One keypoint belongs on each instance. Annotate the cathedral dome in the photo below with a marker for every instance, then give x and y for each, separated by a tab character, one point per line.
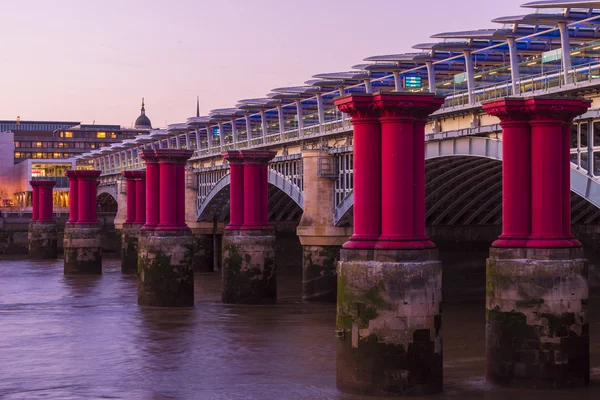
143	122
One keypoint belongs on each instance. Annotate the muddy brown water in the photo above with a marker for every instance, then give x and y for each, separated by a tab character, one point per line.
86	338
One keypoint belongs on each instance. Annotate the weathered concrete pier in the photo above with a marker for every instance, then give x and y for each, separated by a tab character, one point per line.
165	246
42	233
537	277
82	240
136	218
249	270
389	276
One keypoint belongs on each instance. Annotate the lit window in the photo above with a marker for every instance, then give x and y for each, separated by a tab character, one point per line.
113	135
68	134
38	144
101	135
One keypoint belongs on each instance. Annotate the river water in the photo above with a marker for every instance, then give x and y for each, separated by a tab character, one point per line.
86	338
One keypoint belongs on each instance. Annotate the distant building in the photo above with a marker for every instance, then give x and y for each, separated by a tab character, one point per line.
32	150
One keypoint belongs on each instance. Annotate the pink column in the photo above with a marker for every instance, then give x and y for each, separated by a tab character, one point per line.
152	188
86	196
140	198
550	182
256	195
236	189
35	196
367	169
167	216
170	188
45	201
516	171
73	197
264	192
131	197
403	168
180	178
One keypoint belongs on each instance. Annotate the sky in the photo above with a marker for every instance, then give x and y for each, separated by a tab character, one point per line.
80	60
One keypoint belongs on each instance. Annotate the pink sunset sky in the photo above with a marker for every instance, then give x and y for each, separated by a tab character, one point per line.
94	61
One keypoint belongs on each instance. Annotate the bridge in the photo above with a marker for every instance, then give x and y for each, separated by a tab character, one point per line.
511	121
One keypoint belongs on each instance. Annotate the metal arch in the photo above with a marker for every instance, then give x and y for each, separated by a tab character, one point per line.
111	190
280	181
449	177
467	193
581	184
220	185
274	178
493	199
455	185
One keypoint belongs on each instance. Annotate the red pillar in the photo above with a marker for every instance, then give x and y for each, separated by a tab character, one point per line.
264	192
167	216
550	182
236	189
255	190
140	198
73	196
45	201
180	177
131	196
516	171
35	195
152	188
367	169
86	196
403	168
165	188
536	172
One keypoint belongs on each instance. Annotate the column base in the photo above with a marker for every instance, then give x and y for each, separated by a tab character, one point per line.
319	272
165	273
130	234
389	337
203	258
83	249
537	332
248	268
43	241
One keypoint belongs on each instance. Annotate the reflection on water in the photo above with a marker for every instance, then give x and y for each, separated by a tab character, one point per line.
85	338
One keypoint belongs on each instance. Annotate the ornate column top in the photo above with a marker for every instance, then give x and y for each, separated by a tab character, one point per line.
85	174
555	109
257	156
358	105
134	174
47	183
508	109
233	156
166	155
406	104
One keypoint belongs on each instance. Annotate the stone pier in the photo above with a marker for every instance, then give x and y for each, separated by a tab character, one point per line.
42	233
321	240
248	268
135	219
82	243
165	247
537	333
389	335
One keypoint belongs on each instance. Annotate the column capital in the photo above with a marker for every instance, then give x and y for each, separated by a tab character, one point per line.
416	106
83	174
45	183
134	175
358	105
173	155
508	110
555	110
257	157
233	156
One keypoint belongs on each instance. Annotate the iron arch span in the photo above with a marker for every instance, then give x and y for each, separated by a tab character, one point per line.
464	185
286	201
